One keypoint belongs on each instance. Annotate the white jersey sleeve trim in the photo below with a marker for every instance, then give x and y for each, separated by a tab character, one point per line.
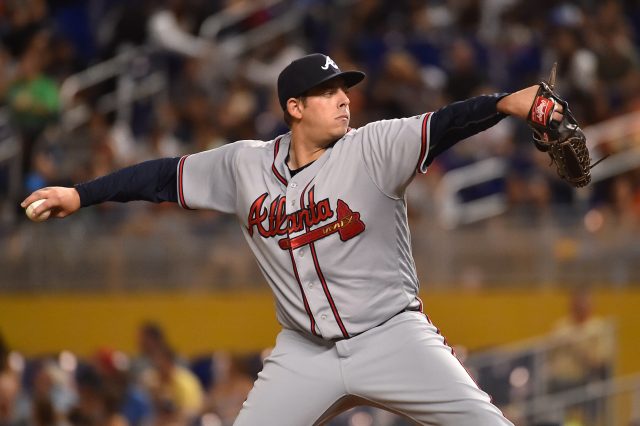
424	149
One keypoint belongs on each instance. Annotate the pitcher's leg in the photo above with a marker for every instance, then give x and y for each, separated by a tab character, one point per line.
300	380
406	367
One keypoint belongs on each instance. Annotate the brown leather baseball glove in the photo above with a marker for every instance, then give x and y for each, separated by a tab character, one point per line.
563	140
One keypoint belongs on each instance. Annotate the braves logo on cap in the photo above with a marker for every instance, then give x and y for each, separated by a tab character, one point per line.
328	62
308	72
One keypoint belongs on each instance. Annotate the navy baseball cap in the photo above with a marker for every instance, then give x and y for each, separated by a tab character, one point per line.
308	72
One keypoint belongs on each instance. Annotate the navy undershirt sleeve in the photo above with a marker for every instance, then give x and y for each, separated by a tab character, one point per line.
459	120
154	180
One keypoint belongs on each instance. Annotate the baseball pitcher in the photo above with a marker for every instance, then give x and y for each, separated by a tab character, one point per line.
323	209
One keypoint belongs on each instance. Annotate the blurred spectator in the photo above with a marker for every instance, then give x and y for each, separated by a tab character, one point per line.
615	49
132	402
72	23
400	90
33	100
25	19
464	73
176	392
63	60
122	25
151	339
162	141
266	63
52	393
236	116
585	350
230	389
171	27
98	403
577	68
583	353
6	70
11	411
620	207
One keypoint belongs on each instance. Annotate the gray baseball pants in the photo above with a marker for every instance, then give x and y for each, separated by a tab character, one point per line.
402	366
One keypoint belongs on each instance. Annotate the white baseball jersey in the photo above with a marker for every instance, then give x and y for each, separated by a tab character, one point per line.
332	241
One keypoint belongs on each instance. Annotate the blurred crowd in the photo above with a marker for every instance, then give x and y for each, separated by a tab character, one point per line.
109	388
418	54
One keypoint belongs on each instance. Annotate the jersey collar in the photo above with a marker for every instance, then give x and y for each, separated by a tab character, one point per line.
279	167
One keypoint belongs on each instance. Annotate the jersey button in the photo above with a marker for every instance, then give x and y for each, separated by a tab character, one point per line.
293	184
301	252
310	286
323	316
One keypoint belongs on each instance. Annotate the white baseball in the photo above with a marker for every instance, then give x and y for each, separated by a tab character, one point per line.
42	216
